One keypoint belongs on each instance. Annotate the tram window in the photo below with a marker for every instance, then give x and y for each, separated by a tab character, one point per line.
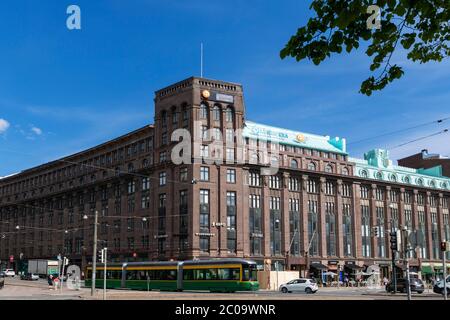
131	275
188	274
228	274
211	274
249	273
89	274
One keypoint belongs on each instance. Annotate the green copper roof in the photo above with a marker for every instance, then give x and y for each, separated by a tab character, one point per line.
377	165
257	131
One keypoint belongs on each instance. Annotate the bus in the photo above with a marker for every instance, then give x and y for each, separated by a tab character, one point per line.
216	275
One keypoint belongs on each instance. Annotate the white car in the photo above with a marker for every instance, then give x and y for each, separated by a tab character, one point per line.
439	286
10	273
300	285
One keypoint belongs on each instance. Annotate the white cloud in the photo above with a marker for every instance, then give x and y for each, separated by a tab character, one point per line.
4	125
36	130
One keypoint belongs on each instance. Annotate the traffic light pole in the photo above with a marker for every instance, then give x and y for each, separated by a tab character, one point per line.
445	274
406	261
94	254
105	255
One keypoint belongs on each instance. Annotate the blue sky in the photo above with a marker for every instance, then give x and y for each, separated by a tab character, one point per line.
62	91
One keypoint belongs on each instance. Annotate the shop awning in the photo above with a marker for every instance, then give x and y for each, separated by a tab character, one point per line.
426	269
318	266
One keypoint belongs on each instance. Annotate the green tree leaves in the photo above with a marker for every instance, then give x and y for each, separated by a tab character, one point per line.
421	27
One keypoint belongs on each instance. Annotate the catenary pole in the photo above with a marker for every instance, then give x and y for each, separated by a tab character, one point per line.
94	254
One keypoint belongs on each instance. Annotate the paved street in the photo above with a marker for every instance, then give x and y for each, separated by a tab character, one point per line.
16	289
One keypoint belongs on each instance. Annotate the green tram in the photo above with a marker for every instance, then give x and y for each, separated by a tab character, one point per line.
217	275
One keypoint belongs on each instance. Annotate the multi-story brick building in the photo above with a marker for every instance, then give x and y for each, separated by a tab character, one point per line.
317	211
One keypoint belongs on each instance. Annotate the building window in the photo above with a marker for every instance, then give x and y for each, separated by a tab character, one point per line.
229	114
365	231
347	230
255	224
204	173
162	178
312	186
231	176
204	151
294	184
254	179
379	194
274	182
204	219
231	222
294	227
364	191
229	135
275	226
131	187
346	190
330	228
145	183
345	171
230	154
380	226
422	229
328	168
183	174
294	164
203	111
313	232
162	156
329	188
216	113
145	201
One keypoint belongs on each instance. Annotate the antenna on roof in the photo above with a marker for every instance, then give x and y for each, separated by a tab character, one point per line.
201	60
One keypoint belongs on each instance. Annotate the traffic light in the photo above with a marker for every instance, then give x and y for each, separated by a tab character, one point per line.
393	241
445	246
101	255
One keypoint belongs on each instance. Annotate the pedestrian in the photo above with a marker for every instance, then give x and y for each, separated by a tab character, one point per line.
50	281
56	282
346	281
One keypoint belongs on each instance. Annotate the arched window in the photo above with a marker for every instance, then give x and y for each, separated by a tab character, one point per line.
312	166
294	164
254	158
407	180
444	185
432	184
364	174
345	171
420	182
379	175
393	178
328	168
229	114
216	113
203	111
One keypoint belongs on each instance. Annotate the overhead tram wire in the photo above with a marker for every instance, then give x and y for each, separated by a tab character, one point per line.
439	121
104	168
420	138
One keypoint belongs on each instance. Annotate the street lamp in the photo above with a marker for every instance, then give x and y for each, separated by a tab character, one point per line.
94	251
145	243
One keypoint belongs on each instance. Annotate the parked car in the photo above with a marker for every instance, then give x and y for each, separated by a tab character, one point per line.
415	284
29	276
300	285
2	280
439	286
2	274
10	273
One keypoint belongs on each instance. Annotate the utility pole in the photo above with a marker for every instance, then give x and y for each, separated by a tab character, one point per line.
94	254
406	260
445	246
